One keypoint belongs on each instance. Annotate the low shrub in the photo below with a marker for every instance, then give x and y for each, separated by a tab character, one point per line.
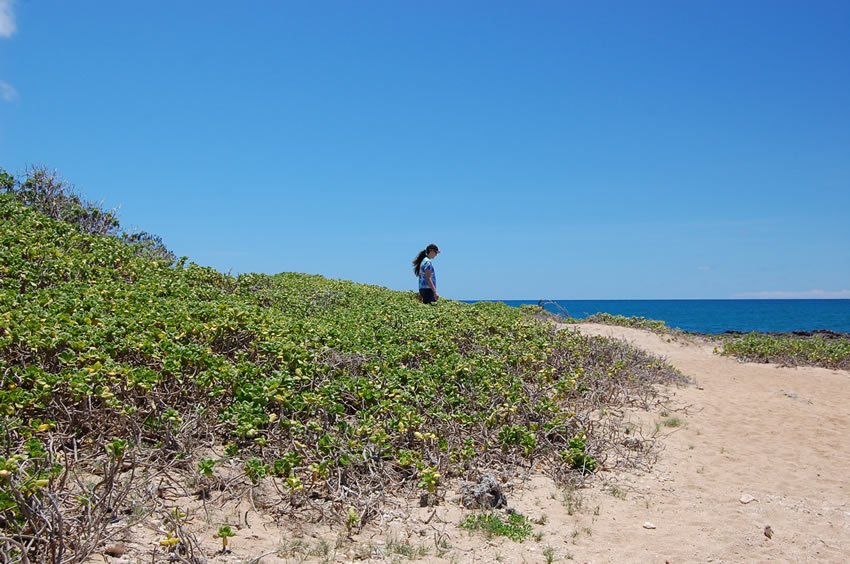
623	321
827	351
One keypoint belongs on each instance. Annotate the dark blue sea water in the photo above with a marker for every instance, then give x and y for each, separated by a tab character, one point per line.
717	316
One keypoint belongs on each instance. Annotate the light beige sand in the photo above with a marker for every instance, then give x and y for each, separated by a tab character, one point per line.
757	446
779	435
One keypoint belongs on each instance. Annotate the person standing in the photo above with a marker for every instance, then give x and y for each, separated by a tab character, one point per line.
423	267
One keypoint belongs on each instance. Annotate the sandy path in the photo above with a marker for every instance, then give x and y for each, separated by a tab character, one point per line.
779	435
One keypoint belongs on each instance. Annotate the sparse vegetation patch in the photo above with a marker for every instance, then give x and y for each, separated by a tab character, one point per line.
623	321
824	349
515	526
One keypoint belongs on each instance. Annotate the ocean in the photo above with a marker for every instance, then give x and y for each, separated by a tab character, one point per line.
717	316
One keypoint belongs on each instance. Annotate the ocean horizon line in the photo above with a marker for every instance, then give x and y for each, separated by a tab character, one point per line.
535	300
711	315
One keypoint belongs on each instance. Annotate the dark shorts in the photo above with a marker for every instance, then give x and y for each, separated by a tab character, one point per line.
427	295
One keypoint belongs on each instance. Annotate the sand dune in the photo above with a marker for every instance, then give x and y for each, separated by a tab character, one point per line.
754	466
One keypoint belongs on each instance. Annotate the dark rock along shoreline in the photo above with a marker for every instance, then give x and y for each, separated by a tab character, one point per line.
829	334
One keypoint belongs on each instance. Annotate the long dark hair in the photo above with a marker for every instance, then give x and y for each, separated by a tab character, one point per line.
417	262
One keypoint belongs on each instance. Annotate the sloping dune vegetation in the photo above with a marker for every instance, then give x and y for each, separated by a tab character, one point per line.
824	349
120	364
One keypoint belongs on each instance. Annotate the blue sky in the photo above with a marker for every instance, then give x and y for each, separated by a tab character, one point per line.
552	149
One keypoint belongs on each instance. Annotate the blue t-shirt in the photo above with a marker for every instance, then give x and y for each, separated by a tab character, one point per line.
426	266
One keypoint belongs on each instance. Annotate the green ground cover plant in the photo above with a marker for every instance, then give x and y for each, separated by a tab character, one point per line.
826	350
515	526
623	321
118	365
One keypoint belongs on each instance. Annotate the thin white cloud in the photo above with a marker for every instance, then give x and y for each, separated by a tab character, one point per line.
806	294
704	268
8	92
7	18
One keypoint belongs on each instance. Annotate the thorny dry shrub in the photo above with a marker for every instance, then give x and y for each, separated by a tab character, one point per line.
46	191
118	372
